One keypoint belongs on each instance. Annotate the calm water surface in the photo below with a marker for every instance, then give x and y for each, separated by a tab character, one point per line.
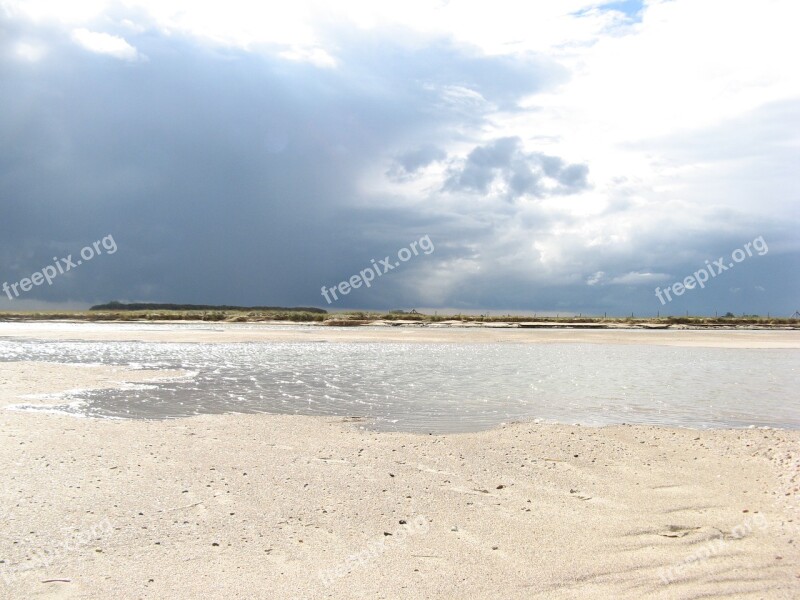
438	387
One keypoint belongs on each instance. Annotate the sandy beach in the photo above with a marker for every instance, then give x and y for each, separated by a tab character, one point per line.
268	506
399	301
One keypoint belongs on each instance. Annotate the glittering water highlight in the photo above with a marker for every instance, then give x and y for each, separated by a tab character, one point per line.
439	387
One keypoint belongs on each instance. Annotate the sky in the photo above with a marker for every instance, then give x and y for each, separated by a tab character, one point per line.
567	157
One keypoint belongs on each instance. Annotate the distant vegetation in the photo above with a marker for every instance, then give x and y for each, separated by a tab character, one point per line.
117	312
116	306
232	316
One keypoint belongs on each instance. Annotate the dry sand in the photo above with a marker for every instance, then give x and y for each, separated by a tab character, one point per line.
262	506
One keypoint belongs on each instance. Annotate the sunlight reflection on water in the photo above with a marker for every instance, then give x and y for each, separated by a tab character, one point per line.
442	387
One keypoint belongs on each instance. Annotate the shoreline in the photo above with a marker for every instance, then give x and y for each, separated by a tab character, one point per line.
313	507
206	332
694	324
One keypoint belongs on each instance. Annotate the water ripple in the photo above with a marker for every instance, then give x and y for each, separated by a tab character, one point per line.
444	386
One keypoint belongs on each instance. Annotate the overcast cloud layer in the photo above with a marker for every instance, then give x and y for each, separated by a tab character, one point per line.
562	156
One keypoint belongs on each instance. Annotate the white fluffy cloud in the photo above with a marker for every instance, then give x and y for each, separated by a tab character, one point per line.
104	43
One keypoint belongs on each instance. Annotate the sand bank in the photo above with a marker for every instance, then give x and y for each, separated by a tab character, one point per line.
262	506
253	332
29	381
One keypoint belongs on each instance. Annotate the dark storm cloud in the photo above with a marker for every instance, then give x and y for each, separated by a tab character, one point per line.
224	176
523	173
234	177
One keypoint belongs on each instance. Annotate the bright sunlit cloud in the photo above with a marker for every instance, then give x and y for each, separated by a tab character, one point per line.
104	43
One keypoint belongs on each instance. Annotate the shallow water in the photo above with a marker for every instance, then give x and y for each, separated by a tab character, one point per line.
437	387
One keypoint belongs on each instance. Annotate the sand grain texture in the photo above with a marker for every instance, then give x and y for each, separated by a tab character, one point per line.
262	506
